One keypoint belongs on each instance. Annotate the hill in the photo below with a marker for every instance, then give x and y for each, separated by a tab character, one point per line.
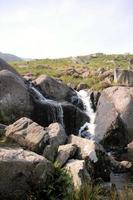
92	71
9	57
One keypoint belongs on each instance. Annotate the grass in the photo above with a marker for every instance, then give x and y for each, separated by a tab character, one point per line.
57	67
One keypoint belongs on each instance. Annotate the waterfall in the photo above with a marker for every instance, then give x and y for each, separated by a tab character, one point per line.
55	112
88	129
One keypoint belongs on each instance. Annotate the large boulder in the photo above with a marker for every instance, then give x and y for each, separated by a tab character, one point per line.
5	66
78	172
115	101
56	137
54	89
28	134
15	100
22	171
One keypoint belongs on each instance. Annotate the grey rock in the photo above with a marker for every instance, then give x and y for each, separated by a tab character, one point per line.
78	172
28	134
56	137
15	101
21	171
66	152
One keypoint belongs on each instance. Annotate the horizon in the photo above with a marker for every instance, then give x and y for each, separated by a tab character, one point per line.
65	28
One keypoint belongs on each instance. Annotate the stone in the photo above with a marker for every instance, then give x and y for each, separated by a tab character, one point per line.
28	134
82	86
54	89
5	66
22	171
78	172
115	101
65	152
86	148
73	118
56	137
109	121
123	77
15	101
2	129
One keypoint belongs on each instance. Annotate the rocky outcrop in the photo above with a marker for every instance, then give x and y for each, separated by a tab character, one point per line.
5	66
65	152
54	89
2	129
15	100
115	101
56	137
28	134
22	171
78	172
123	77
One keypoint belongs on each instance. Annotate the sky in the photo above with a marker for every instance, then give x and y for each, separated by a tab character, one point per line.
62	28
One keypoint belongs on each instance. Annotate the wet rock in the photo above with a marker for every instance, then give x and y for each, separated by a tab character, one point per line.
56	137
15	100
78	172
74	118
65	152
22	171
28	134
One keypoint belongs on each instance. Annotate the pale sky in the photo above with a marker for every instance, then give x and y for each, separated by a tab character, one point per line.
61	28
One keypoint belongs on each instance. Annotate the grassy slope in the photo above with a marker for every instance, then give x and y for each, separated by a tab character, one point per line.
56	67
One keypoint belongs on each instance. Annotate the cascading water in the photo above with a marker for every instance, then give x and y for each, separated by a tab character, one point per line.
55	108
88	128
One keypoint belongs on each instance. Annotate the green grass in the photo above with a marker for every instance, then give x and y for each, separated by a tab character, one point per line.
57	67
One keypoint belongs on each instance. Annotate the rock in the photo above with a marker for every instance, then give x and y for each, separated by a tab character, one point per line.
74	118
65	152
86	147
123	77
97	161
5	66
130	152
22	171
86	74
54	89
82	86
56	137
105	74
2	129
15	100
108	120
94	97
131	61
116	101
105	83
78	172
28	134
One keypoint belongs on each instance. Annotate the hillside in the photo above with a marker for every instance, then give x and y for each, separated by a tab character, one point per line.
92	71
9	57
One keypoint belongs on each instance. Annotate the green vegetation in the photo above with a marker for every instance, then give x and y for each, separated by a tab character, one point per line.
60	187
58	68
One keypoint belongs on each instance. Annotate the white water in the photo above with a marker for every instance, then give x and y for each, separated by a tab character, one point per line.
88	129
85	97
